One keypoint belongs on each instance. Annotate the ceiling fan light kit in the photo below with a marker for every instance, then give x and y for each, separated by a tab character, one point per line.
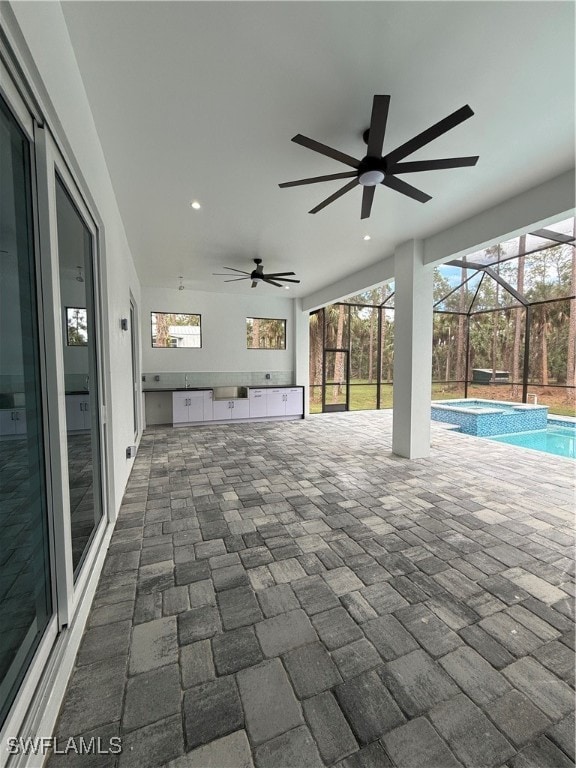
376	168
257	276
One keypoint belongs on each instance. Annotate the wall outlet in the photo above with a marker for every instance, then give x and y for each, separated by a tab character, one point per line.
156	378
267	376
143	377
130	451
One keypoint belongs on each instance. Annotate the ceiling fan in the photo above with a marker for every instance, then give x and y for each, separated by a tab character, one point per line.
376	168
257	276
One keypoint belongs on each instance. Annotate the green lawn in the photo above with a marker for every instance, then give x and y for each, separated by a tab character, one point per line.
363	397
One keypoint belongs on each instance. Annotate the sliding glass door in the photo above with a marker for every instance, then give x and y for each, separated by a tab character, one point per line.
77	300
26	604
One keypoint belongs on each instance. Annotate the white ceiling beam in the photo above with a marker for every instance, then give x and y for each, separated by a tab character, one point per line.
551	201
361	280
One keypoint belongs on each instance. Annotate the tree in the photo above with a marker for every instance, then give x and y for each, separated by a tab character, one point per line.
571	351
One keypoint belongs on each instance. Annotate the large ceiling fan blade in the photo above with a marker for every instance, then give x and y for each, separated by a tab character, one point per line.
316	179
254	283
428	135
272	282
377	126
434	165
335	196
235	279
280	274
405	189
367	198
284	279
316	146
233	269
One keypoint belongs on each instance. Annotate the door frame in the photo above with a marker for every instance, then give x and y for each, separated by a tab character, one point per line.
336	407
50	165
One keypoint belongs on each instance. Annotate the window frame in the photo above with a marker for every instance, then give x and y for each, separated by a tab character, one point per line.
269	349
192	314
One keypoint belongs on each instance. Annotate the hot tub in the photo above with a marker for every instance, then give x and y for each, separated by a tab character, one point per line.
490	417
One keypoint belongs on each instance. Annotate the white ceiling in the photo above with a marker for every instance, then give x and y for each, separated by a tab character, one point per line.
199	100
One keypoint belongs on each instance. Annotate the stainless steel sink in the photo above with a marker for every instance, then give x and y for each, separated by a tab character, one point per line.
230	393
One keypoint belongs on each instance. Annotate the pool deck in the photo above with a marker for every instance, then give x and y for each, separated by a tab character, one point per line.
295	596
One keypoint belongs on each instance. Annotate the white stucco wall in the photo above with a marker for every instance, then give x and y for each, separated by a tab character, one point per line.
223	331
40	35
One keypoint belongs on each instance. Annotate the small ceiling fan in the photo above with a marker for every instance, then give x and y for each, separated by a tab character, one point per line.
257	276
376	168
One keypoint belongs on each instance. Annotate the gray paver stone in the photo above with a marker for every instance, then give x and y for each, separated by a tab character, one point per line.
474	675
543	688
469	733
277	599
432	633
232	751
152	745
389	637
311	670
332	733
238	607
284	632
368	706
417	744
269	702
417	682
541	754
198	624
336	628
235	650
295	748
196	663
212	710
356	658
517	718
151	696
154	644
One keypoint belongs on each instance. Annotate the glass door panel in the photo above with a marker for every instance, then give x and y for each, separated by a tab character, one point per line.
25	579
76	270
336	380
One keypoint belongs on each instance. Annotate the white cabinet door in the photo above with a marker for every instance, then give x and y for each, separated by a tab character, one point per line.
240	409
222	410
20	421
195	406
7	423
294	399
208	407
275	405
180	407
75	405
257	401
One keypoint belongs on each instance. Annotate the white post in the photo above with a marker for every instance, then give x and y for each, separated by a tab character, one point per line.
413	300
301	351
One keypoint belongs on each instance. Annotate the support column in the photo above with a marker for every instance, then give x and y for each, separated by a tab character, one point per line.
413	301
302	351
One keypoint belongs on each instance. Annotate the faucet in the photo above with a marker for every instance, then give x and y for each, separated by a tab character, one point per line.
186	382
87	383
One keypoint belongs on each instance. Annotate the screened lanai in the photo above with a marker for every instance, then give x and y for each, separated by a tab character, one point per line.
504	329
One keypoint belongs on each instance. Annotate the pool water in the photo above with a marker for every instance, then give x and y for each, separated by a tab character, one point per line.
559	438
478	405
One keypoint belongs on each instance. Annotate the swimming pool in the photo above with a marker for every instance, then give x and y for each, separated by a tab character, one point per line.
559	438
485	418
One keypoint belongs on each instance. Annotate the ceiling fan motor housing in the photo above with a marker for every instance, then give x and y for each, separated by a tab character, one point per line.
371	171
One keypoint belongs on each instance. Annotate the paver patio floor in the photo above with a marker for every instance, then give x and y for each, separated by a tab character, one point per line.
292	595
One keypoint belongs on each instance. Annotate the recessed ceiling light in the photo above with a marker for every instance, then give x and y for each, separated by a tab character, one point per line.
367	237
196	205
287	287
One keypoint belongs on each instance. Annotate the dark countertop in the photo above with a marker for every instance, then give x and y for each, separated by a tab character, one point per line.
178	389
209	389
77	392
